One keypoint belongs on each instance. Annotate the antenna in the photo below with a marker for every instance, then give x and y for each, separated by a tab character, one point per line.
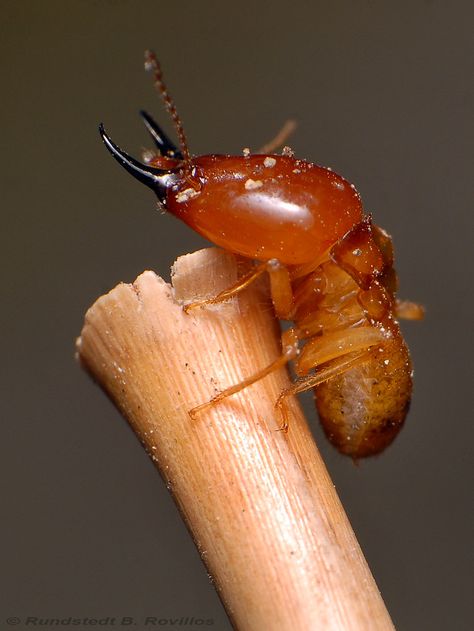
152	63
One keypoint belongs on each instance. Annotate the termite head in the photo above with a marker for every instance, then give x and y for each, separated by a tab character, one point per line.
272	206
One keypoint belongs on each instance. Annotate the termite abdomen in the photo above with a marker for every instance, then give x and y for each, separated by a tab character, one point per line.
363	409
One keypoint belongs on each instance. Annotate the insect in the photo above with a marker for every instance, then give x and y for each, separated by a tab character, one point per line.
330	268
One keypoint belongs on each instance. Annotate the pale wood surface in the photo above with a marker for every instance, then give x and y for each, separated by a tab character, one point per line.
259	503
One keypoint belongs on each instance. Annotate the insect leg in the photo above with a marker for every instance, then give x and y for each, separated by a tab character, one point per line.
280	139
280	289
289	343
407	310
280	286
322	349
335	368
230	292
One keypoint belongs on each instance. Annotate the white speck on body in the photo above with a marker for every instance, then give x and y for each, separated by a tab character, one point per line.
386	362
269	162
148	156
296	170
250	184
288	152
186	195
246	152
338	185
357	252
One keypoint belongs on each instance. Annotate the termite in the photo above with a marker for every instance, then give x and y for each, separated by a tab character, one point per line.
330	268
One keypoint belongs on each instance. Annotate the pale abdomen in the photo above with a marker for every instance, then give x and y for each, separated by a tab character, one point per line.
363	409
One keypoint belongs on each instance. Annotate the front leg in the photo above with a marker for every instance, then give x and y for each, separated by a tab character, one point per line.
280	288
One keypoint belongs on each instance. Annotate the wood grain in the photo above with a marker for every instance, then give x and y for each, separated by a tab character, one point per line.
259	503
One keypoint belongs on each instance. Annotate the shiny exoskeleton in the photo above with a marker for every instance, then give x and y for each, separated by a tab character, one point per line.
331	273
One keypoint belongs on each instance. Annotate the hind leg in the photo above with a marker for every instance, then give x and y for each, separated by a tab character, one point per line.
335	368
331	355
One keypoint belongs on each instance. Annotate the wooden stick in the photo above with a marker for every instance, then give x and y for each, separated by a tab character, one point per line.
259	503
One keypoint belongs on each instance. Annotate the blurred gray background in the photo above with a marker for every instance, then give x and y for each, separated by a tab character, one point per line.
383	94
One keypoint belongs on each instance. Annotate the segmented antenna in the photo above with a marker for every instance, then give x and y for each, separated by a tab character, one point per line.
152	63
